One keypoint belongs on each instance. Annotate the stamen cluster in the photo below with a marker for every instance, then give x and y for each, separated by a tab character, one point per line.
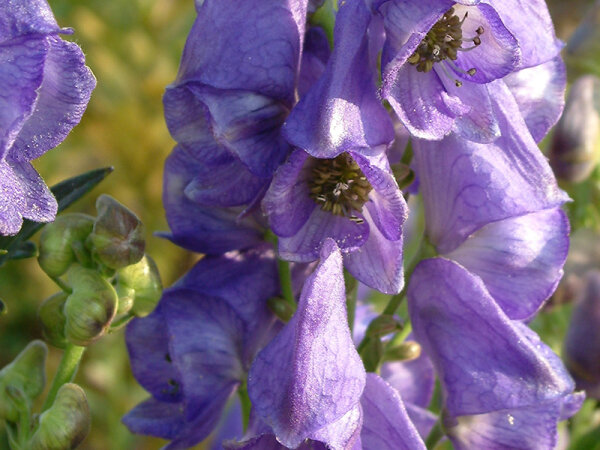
338	185
443	42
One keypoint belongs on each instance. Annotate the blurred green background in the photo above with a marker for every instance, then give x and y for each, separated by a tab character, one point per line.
133	48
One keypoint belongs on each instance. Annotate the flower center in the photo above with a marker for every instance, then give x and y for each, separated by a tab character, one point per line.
339	186
442	43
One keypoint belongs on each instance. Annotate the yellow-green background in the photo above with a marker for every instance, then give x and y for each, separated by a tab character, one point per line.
133	48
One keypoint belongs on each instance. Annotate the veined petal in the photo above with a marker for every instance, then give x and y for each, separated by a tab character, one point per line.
24	195
486	362
156	418
25	18
21	74
530	22
341	111
310	375
254	46
61	100
540	94
519	259
386	424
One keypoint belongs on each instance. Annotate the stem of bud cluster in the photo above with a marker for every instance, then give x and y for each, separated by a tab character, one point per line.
435	435
285	276
67	369
351	291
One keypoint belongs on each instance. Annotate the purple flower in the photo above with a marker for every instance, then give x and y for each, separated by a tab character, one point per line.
308	386
191	370
44	90
440	59
352	199
239	89
502	386
342	112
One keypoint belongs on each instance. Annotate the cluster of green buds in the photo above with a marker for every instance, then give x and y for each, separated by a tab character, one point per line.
63	425
105	276
106	279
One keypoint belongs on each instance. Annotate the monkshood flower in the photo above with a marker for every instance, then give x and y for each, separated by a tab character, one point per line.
194	350
502	387
494	208
239	89
440	58
44	90
352	199
308	385
582	344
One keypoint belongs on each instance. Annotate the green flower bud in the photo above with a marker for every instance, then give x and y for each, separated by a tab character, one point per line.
57	240
25	375
575	148
407	351
53	319
382	325
143	278
281	308
126	298
90	308
66	424
118	236
371	353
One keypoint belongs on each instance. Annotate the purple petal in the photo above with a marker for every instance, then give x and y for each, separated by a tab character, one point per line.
305	244
539	92
248	125
386	423
23	195
156	418
310	375
497	55
287	202
530	22
21	74
25	18
378	262
519	259
423	419
341	111
200	228
467	185
150	357
254	46
315	55
62	99
527	428
485	361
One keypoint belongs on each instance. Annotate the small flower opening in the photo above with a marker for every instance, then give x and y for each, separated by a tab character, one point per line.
339	186
442	43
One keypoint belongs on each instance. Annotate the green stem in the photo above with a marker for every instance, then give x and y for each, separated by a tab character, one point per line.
67	369
400	337
246	405
351	291
61	284
435	435
285	276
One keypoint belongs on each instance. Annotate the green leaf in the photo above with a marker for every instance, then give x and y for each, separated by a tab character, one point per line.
66	192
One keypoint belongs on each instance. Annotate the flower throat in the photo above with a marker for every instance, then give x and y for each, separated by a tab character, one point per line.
339	186
442	43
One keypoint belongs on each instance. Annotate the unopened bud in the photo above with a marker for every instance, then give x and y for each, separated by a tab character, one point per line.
575	148
90	308
66	424
118	236
281	308
57	240
382	325
372	353
26	375
53	319
144	280
406	351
